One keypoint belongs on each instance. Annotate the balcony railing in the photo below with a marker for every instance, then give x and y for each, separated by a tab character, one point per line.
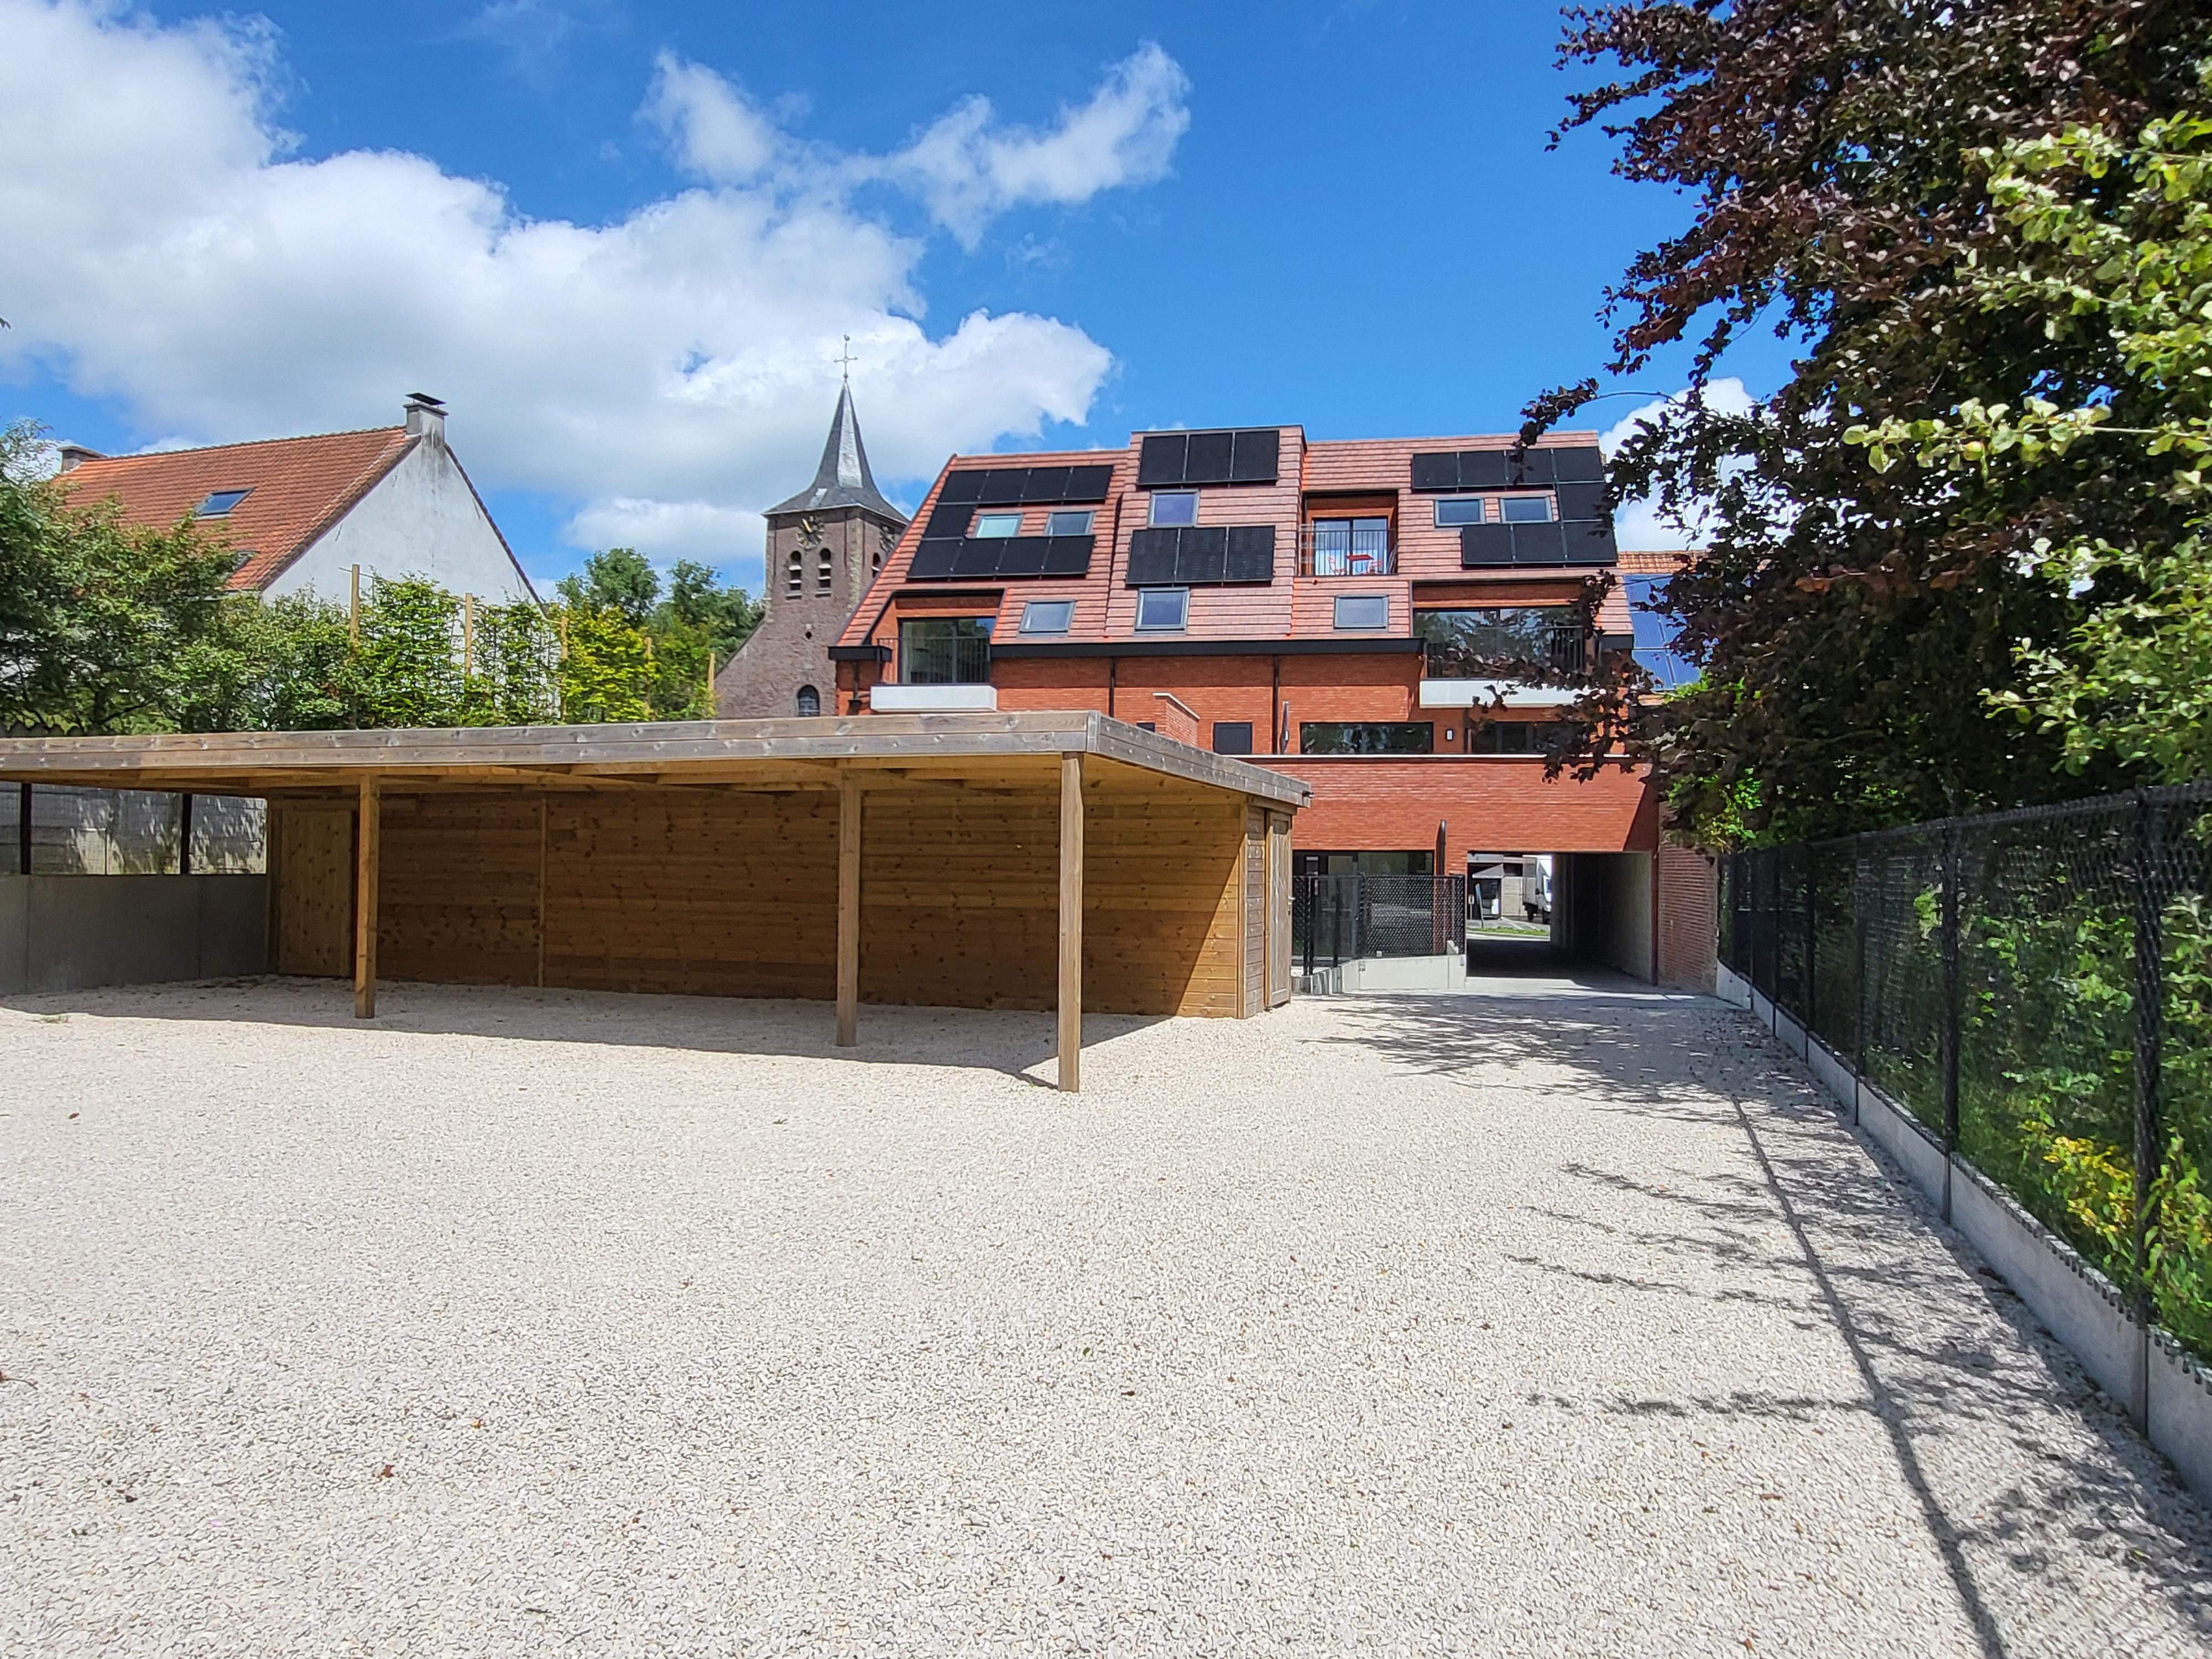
1340	549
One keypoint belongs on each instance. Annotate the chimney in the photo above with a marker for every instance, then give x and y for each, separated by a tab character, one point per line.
426	416
73	456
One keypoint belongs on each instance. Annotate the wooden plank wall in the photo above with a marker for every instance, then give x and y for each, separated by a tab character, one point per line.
1279	909
1254	986
714	892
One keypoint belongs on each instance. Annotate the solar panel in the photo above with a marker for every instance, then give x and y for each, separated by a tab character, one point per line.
1160	460
1002	486
1591	541
1583	464
1210	455
1483	544
933	560
1088	484
1539	543
1437	471
1530	466
963	486
1482	469
1581	501
1251	554
1045	484
948	520
1021	556
1067	555
1205	556
1257	454
980	557
1152	557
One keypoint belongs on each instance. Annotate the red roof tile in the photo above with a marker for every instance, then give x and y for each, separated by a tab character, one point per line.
297	489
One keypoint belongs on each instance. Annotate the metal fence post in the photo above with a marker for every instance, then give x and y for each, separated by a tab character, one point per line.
1951	1016
185	834
1812	995
1858	985
23	831
2149	1079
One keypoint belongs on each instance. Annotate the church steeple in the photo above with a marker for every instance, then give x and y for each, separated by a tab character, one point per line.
843	479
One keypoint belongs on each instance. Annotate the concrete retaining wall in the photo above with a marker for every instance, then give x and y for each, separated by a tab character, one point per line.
2168	1394
73	933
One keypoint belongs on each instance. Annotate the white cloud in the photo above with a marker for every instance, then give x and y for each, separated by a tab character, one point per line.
665	532
162	250
1643	526
967	171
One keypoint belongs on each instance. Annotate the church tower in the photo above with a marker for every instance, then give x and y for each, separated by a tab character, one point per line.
825	546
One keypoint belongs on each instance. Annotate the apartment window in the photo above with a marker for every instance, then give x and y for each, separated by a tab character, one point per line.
1232	737
825	573
1068	524
944	651
1363	610
1145	726
994	525
1451	515
1526	509
1459	645
1175	507
809	701
1367	737
1048	615
1163	607
219	503
1348	547
1509	738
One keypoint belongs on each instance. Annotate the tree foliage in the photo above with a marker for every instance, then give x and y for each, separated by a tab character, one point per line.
695	622
1857	629
2110	239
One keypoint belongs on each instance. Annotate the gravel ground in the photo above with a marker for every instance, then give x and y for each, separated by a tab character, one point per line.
537	1322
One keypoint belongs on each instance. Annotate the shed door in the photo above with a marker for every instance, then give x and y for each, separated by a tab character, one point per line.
1279	909
1255	997
314	890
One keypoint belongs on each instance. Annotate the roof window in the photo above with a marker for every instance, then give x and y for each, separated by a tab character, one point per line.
219	503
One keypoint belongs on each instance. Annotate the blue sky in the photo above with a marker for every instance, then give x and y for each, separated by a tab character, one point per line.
624	240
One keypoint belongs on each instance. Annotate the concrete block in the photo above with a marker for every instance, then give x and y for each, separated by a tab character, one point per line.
1731	987
2077	1304
75	932
15	935
1834	1076
1903	1138
1790	1034
2181	1415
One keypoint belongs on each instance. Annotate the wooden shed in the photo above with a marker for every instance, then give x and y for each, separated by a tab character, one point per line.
1030	861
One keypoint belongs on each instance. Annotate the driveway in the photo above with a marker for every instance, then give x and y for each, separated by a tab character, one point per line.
539	1322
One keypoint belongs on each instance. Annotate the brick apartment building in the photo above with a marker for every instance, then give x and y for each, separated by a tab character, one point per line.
1318	605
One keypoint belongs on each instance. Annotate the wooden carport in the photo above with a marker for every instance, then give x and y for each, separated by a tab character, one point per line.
1030	861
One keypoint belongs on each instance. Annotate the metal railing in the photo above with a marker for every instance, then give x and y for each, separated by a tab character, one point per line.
2035	988
1339	919
1336	548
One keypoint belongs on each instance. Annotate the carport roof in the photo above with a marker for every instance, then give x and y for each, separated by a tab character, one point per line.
1010	748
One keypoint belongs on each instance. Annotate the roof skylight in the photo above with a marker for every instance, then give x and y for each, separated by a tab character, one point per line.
219	503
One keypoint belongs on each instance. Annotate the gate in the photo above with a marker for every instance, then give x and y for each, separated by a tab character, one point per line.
1338	919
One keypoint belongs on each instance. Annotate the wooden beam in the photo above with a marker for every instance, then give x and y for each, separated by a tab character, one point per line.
1071	921
849	798
364	903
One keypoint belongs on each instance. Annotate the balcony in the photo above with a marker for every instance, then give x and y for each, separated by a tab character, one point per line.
1346	547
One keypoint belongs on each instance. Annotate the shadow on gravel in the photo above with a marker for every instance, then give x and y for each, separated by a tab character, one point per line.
1011	1042
1948	1357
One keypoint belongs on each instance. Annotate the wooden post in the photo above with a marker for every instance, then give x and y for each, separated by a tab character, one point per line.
185	834
544	835
1071	921
713	712
364	906
848	910
353	612
468	634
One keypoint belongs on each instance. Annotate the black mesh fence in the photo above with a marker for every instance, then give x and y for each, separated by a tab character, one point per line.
2035	988
1338	919
128	832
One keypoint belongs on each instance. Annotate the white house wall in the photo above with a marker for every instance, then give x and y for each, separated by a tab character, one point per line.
419	520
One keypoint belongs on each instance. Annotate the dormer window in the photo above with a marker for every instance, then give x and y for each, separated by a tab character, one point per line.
219	503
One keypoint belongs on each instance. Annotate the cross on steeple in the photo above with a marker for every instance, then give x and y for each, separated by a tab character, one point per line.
847	360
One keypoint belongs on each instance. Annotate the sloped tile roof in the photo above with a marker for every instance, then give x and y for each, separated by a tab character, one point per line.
297	489
843	479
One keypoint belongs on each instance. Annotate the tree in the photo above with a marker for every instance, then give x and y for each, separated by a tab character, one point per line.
104	626
1858	629
617	579
2109	238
